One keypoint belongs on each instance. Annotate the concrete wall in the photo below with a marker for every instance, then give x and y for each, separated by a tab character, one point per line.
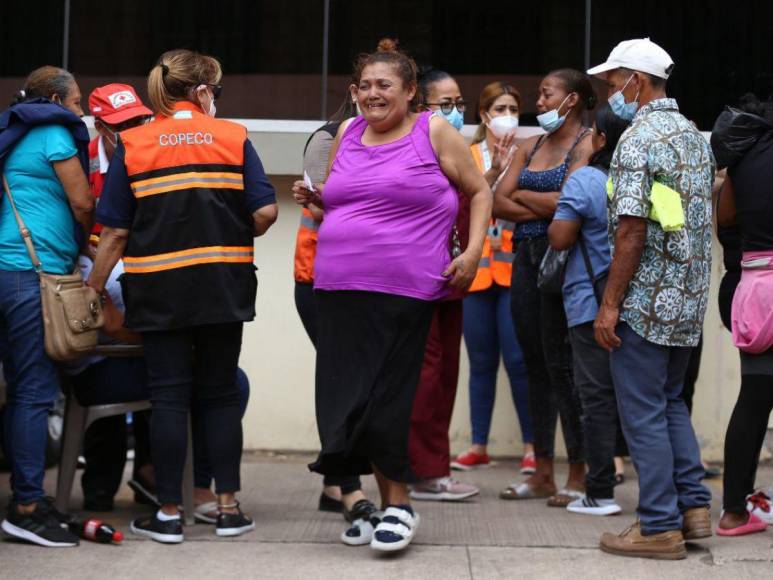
279	358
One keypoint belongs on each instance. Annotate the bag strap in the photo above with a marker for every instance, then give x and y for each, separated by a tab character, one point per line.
588	266
25	233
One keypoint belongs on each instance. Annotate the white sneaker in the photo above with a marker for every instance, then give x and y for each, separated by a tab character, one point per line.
759	504
443	489
594	507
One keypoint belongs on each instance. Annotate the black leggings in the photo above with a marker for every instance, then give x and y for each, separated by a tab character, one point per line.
540	323
201	360
744	439
305	303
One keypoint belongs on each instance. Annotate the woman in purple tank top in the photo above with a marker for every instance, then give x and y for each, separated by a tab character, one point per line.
383	259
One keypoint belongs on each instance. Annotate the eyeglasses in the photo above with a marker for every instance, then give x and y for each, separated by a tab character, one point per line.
448	106
216	90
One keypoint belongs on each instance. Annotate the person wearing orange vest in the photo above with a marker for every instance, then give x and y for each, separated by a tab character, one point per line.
488	324
183	199
115	107
315	161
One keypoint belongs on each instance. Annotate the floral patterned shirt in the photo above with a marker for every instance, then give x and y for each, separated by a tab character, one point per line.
666	299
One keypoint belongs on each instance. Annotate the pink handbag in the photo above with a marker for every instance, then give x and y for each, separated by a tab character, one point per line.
752	316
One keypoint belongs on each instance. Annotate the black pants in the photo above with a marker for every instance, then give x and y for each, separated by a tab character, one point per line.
305	303
197	363
599	410
540	323
691	376
744	439
113	380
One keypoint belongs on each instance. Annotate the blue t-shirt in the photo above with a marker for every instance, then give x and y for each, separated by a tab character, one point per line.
117	203
41	201
584	199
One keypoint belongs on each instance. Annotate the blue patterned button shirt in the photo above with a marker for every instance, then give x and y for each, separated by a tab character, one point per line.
666	300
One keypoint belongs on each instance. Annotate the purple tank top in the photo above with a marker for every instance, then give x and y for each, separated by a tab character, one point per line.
389	210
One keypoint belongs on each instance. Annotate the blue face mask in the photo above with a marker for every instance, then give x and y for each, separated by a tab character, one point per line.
454	117
551	121
618	105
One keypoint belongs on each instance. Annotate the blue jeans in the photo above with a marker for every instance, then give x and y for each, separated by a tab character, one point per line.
488	330
33	383
648	382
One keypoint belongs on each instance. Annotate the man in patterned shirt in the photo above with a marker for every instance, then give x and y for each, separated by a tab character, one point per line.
655	298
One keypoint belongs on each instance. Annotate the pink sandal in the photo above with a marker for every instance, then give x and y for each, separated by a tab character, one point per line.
753	525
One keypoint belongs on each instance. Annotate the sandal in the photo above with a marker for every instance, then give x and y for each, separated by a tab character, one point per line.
524	491
564	497
395	530
752	526
365	517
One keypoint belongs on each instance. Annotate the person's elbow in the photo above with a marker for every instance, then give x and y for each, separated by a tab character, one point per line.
559	237
83	204
264	218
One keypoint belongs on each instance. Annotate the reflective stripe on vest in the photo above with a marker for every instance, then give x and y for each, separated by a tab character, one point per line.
187	180
184	258
484	262
506	257
309	223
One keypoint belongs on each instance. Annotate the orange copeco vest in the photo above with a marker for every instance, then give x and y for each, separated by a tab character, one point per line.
189	258
494	266
306	248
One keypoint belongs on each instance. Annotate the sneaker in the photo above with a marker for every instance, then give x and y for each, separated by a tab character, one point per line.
169	532
470	460
759	504
594	507
632	543
230	525
528	464
42	527
443	489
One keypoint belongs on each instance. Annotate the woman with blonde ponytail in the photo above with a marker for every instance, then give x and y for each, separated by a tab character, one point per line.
183	199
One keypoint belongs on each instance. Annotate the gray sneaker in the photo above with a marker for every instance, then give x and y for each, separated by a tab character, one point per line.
443	489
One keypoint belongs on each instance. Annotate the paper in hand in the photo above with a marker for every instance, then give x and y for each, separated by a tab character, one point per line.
307	181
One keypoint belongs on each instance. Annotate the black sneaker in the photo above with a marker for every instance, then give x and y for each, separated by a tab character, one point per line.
170	532
233	524
42	527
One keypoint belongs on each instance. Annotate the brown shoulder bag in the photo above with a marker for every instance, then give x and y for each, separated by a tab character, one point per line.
72	312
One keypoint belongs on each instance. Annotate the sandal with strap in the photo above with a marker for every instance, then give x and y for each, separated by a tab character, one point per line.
524	491
365	517
396	529
564	497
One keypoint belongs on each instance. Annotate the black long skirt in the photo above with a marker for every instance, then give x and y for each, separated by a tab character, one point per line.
370	348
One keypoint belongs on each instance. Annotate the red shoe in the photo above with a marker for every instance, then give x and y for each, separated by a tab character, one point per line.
752	525
528	464
469	460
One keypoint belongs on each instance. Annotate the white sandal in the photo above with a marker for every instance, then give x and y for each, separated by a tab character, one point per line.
204	513
398	522
365	518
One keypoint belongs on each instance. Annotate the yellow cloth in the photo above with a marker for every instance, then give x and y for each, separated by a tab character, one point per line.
666	206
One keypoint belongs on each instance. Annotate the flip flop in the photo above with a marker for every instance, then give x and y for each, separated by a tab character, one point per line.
524	491
753	525
206	513
564	497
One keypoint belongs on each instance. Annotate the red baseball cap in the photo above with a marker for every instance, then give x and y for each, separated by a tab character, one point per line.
116	103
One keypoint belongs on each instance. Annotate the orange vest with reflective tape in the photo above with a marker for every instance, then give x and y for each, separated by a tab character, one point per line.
189	258
494	266
306	248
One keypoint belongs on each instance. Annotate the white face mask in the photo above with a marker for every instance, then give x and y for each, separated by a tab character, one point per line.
502	125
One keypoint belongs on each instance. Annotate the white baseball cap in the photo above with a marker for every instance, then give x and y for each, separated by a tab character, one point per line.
639	54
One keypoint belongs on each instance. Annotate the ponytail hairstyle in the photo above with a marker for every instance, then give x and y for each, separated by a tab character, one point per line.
44	83
176	76
577	82
387	52
490	93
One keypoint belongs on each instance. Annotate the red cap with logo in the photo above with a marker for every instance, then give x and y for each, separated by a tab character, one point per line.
116	103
